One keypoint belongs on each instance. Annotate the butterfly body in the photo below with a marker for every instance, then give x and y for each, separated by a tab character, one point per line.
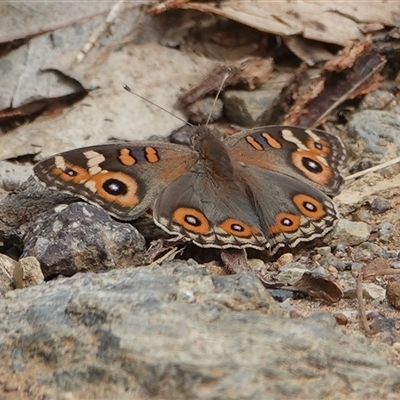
265	188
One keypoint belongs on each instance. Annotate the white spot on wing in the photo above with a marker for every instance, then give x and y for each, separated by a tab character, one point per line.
288	135
60	162
94	158
91	185
95	170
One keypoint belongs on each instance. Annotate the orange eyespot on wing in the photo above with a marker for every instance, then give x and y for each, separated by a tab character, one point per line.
69	172
115	187
312	167
238	228
285	222
309	206
191	220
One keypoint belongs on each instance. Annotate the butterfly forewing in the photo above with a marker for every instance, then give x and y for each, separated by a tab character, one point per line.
122	178
311	155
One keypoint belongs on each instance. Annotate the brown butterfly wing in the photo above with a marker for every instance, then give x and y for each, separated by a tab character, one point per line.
311	155
122	178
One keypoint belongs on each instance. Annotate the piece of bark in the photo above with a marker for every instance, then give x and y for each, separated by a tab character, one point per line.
249	72
355	71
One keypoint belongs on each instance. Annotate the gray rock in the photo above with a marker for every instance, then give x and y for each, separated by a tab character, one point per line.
357	267
350	233
250	109
257	107
330	259
290	273
12	174
323	251
175	332
21	205
376	250
7	266
380	205
377	100
27	273
361	255
372	126
81	237
373	291
199	111
386	229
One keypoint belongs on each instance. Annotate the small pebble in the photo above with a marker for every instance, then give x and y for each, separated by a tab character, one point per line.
373	291
323	251
357	267
284	259
396	346
371	315
294	314
290	274
323	318
341	248
10	386
392	253
321	271
386	228
27	273
382	324
281	295
199	112
376	250
256	264
377	100
360	255
350	233
341	319
379	205
363	215
332	270
393	294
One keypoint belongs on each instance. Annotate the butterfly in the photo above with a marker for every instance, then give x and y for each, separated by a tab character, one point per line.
265	188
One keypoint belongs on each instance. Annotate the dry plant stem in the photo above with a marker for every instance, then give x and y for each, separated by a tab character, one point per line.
114	12
348	93
373	169
171	253
361	305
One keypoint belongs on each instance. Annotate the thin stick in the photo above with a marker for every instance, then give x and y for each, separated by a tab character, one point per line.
373	169
361	305
116	9
226	76
173	252
128	89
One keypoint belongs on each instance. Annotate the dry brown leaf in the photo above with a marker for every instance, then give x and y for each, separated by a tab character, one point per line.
319	287
325	21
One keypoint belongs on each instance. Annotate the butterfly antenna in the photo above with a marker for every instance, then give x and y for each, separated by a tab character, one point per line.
226	76
128	89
